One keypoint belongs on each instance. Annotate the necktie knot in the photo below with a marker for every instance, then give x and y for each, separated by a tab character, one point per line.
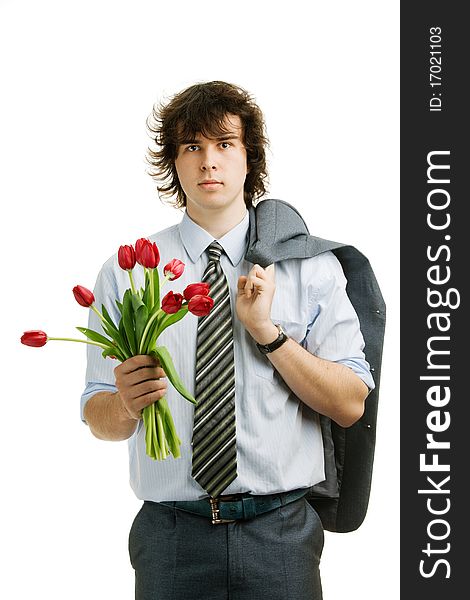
215	251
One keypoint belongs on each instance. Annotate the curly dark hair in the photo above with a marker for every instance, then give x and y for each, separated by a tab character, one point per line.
202	108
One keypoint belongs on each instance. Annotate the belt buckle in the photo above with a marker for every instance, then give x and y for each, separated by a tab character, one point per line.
216	520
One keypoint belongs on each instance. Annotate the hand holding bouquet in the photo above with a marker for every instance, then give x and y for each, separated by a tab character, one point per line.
142	319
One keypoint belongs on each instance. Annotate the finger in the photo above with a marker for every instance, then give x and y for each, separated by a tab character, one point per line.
241	282
248	286
137	362
144	374
138	404
266	273
254	284
149	387
256	270
135	404
160	373
256	276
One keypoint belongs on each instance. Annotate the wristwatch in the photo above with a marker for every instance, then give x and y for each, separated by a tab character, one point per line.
281	338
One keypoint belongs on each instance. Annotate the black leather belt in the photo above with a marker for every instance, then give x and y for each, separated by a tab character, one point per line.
235	507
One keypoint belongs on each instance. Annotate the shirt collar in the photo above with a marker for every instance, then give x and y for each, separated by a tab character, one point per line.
196	239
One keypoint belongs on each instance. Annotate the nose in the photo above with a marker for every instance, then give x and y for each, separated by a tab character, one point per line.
208	161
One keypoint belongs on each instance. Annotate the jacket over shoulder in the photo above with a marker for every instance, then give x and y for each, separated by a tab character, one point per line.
278	232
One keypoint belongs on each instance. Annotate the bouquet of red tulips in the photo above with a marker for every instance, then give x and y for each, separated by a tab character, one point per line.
142	320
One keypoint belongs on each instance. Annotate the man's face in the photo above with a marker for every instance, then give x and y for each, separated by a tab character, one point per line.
212	171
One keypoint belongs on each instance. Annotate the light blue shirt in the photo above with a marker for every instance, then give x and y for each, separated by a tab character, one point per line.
279	443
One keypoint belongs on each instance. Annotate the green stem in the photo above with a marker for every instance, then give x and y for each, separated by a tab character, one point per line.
93	307
147	416
152	289
131	278
75	340
161	435
170	431
147	327
165	279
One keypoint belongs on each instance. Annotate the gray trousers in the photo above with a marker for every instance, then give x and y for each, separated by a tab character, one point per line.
181	556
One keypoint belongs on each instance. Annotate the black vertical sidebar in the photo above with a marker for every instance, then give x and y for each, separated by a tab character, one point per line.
435	324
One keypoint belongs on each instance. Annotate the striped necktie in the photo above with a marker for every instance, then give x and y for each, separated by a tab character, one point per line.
214	464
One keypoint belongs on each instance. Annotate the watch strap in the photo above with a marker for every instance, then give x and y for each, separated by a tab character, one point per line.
281	338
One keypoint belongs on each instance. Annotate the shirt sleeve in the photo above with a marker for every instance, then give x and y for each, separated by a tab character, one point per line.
100	371
334	332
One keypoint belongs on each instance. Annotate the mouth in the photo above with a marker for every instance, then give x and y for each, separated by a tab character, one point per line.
210	184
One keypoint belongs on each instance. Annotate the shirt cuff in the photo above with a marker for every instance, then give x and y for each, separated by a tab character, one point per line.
361	368
90	390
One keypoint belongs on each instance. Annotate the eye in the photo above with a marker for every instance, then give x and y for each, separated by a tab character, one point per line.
192	148
225	144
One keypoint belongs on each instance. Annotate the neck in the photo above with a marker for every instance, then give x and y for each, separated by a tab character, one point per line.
215	222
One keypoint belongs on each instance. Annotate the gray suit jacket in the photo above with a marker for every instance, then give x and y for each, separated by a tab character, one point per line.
278	232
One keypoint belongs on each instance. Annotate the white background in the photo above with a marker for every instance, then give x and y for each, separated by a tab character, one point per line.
78	82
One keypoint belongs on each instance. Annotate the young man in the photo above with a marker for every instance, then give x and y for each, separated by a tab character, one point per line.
283	345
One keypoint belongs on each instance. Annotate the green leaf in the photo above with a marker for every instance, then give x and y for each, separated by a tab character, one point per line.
160	324
172	318
136	302
118	336
109	330
148	342
164	357
147	298
107	317
141	318
128	321
156	288
119	305
113	352
124	345
154	310
96	337
141	315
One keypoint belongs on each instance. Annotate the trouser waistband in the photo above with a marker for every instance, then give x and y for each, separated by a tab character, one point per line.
235	507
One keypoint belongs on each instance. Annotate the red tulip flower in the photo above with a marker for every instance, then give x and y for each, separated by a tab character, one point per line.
35	338
147	253
83	296
171	303
126	257
200	305
149	258
194	289
156	254
140	243
173	269
143	317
